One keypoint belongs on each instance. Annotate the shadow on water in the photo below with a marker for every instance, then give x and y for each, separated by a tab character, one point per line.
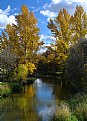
37	103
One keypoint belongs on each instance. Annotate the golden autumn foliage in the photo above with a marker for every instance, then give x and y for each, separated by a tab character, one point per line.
79	23
31	67
23	70
23	36
67	29
23	40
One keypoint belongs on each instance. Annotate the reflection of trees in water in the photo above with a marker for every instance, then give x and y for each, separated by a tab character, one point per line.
62	89
29	91
19	107
27	106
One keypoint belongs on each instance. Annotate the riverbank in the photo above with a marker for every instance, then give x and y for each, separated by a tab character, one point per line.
7	88
50	97
4	89
74	109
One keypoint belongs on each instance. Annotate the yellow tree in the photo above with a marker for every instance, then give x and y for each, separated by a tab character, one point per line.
23	37
60	26
79	23
68	29
61	30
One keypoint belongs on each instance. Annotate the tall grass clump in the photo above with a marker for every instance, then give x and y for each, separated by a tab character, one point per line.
63	112
81	110
4	89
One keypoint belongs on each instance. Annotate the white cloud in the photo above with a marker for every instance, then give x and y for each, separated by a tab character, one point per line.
45	6
68	1
81	1
48	13
11	19
42	50
56	1
6	11
44	37
47	42
3	21
47	38
55	5
5	18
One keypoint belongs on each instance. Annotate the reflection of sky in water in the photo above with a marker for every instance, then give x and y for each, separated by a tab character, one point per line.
38	107
46	99
46	112
44	91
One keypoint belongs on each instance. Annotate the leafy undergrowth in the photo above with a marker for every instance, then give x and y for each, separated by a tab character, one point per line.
4	89
74	109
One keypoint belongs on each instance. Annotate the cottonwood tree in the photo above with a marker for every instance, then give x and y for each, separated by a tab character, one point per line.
79	24
23	38
67	29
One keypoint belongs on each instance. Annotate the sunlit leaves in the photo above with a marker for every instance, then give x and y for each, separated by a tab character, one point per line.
60	26
31	67
21	72
79	23
23	37
23	40
67	29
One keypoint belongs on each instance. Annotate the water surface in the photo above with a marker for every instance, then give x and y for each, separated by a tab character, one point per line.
37	103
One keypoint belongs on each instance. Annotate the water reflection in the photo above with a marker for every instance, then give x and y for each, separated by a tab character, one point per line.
37	103
44	92
45	98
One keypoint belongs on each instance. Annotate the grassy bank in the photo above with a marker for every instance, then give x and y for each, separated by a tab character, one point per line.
74	109
4	89
7	88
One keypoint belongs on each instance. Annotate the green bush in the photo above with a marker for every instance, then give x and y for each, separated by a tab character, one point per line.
81	111
16	87
78	105
4	89
72	118
74	110
30	80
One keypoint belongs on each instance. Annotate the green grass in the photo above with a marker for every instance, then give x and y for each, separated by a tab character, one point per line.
4	89
75	109
81	109
7	88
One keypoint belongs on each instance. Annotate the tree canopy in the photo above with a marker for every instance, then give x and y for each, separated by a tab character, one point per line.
23	37
22	40
69	28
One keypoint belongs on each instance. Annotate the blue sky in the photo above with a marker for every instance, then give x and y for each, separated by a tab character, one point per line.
43	10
